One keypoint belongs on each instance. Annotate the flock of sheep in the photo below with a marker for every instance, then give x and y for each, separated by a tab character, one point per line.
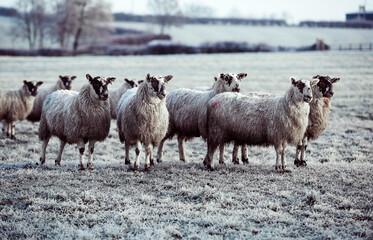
146	115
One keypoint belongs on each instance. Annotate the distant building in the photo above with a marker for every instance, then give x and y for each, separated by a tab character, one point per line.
359	16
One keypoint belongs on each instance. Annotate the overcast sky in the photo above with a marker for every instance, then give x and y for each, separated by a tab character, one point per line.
294	10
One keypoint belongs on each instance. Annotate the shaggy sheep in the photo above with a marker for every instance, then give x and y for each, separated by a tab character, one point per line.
16	105
276	121
64	82
116	94
143	117
319	113
187	109
77	117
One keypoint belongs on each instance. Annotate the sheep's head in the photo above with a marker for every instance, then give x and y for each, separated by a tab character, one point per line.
303	88
99	85
66	80
131	83
32	87
156	85
324	87
231	81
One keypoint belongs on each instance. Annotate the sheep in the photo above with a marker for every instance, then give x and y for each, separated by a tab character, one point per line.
115	95
143	117
63	82
275	121
187	109
76	118
16	105
319	113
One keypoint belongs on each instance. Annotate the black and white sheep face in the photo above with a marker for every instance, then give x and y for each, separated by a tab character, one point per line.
32	87
232	81
99	85
325	85
131	83
157	85
303	88
66	80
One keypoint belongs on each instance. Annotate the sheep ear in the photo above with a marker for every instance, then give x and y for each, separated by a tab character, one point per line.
25	82
89	77
148	77
241	75
314	82
168	78
222	75
110	79
130	82
293	81
38	84
334	80
73	77
140	81
60	77
216	79
317	76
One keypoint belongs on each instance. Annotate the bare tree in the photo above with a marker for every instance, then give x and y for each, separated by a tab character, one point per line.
32	22
76	19
198	11
166	13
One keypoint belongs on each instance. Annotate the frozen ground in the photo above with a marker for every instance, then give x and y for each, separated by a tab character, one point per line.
330	198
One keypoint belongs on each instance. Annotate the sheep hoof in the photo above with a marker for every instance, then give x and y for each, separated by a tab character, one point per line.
235	161
182	160
303	163
90	166
56	163
210	168
151	162
13	137
135	167
205	161
222	162
297	162
245	160
159	160
147	167
81	167
42	160
127	162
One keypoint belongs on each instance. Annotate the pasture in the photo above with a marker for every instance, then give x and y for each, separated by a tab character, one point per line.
331	198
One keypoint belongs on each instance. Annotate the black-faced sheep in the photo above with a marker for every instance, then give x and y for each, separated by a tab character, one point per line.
143	117
63	82
16	105
77	117
275	121
187	110
116	94
319	114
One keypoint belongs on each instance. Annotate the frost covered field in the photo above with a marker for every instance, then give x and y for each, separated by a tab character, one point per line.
331	198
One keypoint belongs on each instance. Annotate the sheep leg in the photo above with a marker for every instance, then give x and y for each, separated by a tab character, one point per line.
221	154
43	149
160	151
283	158
148	153
58	160
303	152
208	161
151	156
297	162
244	155
91	147
13	131
8	130
5	126
235	153
137	161
81	151
278	153
127	160
180	141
